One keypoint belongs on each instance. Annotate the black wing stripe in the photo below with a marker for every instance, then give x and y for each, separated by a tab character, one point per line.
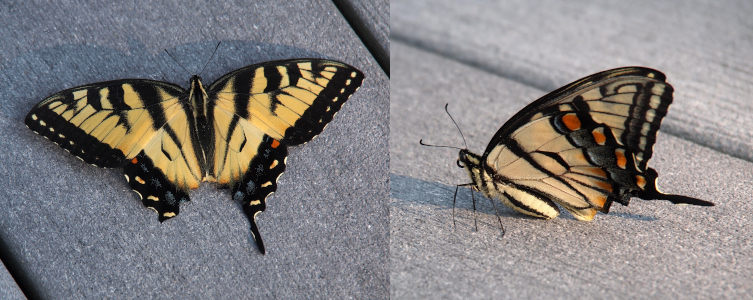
515	148
274	79
544	198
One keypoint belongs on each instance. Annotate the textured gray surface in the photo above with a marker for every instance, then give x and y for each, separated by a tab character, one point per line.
650	249
8	287
704	46
371	19
70	230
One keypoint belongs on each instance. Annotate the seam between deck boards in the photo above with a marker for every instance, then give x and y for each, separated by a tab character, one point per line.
367	38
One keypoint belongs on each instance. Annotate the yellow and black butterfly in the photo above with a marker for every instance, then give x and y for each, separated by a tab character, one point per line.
582	146
168	140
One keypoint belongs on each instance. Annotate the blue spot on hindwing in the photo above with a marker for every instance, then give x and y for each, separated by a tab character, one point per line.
250	187
170	198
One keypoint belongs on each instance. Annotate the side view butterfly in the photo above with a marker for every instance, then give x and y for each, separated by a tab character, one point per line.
582	146
235	132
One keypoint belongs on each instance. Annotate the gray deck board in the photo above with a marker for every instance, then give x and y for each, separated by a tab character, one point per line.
371	20
70	230
488	59
649	249
8	287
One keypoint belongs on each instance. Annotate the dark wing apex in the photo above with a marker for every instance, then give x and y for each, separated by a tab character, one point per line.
345	81
260	181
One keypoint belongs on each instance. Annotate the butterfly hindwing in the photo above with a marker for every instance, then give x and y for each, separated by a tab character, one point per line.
583	146
153	187
260	181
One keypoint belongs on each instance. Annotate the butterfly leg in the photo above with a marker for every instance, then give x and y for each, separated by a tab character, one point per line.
475	216
261	181
498	217
454	198
453	204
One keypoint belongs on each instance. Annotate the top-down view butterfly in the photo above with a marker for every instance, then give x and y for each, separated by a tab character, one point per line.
582	146
234	132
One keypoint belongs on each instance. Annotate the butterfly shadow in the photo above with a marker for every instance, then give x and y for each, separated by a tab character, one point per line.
406	191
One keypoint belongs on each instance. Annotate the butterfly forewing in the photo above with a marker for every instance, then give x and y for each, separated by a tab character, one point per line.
582	146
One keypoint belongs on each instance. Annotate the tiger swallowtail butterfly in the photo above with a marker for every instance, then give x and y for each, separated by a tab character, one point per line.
234	132
582	146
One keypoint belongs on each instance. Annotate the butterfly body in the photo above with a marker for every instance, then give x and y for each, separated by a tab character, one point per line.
235	132
583	146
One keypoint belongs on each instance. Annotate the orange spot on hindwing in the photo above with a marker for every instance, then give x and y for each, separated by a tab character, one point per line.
621	159
599	136
571	121
640	181
275	144
135	161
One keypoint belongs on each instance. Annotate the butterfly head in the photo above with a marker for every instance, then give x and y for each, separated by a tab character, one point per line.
467	159
195	79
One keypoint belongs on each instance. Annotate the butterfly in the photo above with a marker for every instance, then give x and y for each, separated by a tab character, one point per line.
234	132
582	146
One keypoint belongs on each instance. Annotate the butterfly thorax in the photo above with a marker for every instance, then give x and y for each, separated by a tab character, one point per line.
474	166
198	97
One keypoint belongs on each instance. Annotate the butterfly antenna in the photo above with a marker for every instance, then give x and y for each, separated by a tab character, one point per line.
210	58
421	141
456	124
177	62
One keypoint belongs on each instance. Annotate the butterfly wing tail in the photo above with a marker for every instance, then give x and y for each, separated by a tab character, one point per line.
251	211
679	199
651	192
260	181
